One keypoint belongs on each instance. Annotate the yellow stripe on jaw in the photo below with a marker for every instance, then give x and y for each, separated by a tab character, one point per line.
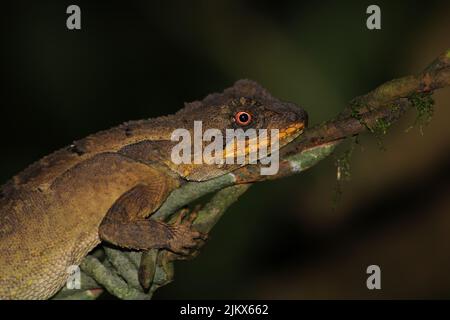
291	130
283	134
295	129
236	152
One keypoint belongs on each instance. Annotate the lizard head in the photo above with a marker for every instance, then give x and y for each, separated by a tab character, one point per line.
246	105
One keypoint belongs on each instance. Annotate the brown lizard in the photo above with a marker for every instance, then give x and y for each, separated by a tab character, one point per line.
104	187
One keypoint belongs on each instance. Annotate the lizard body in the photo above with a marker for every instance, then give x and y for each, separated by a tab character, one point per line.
104	187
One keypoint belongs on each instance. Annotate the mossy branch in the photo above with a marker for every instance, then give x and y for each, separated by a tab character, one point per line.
374	112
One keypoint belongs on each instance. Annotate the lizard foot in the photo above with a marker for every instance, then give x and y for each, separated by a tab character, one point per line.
184	238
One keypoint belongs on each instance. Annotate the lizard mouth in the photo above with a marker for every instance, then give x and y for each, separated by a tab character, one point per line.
288	134
285	136
291	132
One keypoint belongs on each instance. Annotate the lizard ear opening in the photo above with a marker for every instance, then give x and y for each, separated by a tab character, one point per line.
242	118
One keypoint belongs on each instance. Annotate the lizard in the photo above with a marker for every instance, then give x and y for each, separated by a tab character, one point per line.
106	186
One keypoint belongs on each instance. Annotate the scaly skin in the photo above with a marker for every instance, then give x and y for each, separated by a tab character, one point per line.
104	186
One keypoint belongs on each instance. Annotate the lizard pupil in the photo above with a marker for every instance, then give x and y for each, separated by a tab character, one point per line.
243	118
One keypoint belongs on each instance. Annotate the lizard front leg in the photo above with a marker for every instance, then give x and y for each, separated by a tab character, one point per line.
125	225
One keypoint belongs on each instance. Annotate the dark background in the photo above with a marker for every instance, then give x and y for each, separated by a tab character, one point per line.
141	59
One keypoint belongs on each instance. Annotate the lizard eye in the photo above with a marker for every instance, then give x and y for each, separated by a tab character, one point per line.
242	118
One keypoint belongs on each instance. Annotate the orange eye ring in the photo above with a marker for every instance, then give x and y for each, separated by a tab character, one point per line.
243	118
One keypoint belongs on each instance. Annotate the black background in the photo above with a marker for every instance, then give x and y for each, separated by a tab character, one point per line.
141	59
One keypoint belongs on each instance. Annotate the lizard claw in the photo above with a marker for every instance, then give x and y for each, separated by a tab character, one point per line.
181	216
184	238
192	217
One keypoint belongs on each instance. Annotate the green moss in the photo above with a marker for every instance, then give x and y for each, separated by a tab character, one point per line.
355	107
424	105
395	107
343	170
343	165
379	129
